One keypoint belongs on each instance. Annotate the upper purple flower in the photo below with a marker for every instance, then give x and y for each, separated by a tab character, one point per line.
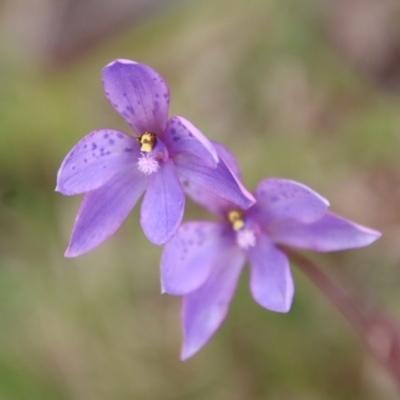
203	260
114	169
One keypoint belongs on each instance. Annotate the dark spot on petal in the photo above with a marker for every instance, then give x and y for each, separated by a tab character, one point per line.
94	146
111	141
120	135
128	149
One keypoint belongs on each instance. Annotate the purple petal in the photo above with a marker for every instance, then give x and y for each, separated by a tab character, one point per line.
271	281
138	93
229	159
94	160
181	136
189	256
284	199
330	233
163	204
216	189
103	210
204	310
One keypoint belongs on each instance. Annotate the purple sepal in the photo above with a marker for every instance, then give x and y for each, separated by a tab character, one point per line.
271	281
94	160
279	199
103	210
330	233
138	93
191	254
204	310
182	136
212	188
163	203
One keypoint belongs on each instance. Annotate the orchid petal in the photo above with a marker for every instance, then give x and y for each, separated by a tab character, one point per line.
102	211
191	254
279	199
94	160
181	136
138	93
216	189
271	281
330	233
162	207
204	310
229	159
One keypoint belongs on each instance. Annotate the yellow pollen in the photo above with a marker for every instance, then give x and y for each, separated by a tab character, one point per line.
147	141
236	219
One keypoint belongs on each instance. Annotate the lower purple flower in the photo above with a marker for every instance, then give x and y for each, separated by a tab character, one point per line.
203	260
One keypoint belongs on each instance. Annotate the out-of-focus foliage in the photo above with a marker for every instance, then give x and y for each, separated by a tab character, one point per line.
275	81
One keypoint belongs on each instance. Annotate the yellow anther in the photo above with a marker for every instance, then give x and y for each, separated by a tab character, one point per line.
235	218
147	141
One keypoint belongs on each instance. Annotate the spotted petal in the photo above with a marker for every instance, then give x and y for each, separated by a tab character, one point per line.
330	233
191	254
138	93
163	204
229	159
95	159
213	188
204	310
279	199
182	136
103	210
271	281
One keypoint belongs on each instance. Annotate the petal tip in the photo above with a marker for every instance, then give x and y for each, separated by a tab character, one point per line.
69	254
374	235
120	61
162	289
186	353
326	201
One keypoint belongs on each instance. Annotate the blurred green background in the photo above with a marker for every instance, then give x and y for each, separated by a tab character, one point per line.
302	89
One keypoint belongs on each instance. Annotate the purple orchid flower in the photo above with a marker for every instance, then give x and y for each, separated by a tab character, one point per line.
203	260
114	169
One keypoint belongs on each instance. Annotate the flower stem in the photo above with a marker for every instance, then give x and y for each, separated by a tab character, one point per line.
379	332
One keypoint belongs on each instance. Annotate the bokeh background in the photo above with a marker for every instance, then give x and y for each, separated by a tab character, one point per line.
301	89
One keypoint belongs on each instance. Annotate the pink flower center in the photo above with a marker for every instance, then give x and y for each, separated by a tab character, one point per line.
245	238
147	164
